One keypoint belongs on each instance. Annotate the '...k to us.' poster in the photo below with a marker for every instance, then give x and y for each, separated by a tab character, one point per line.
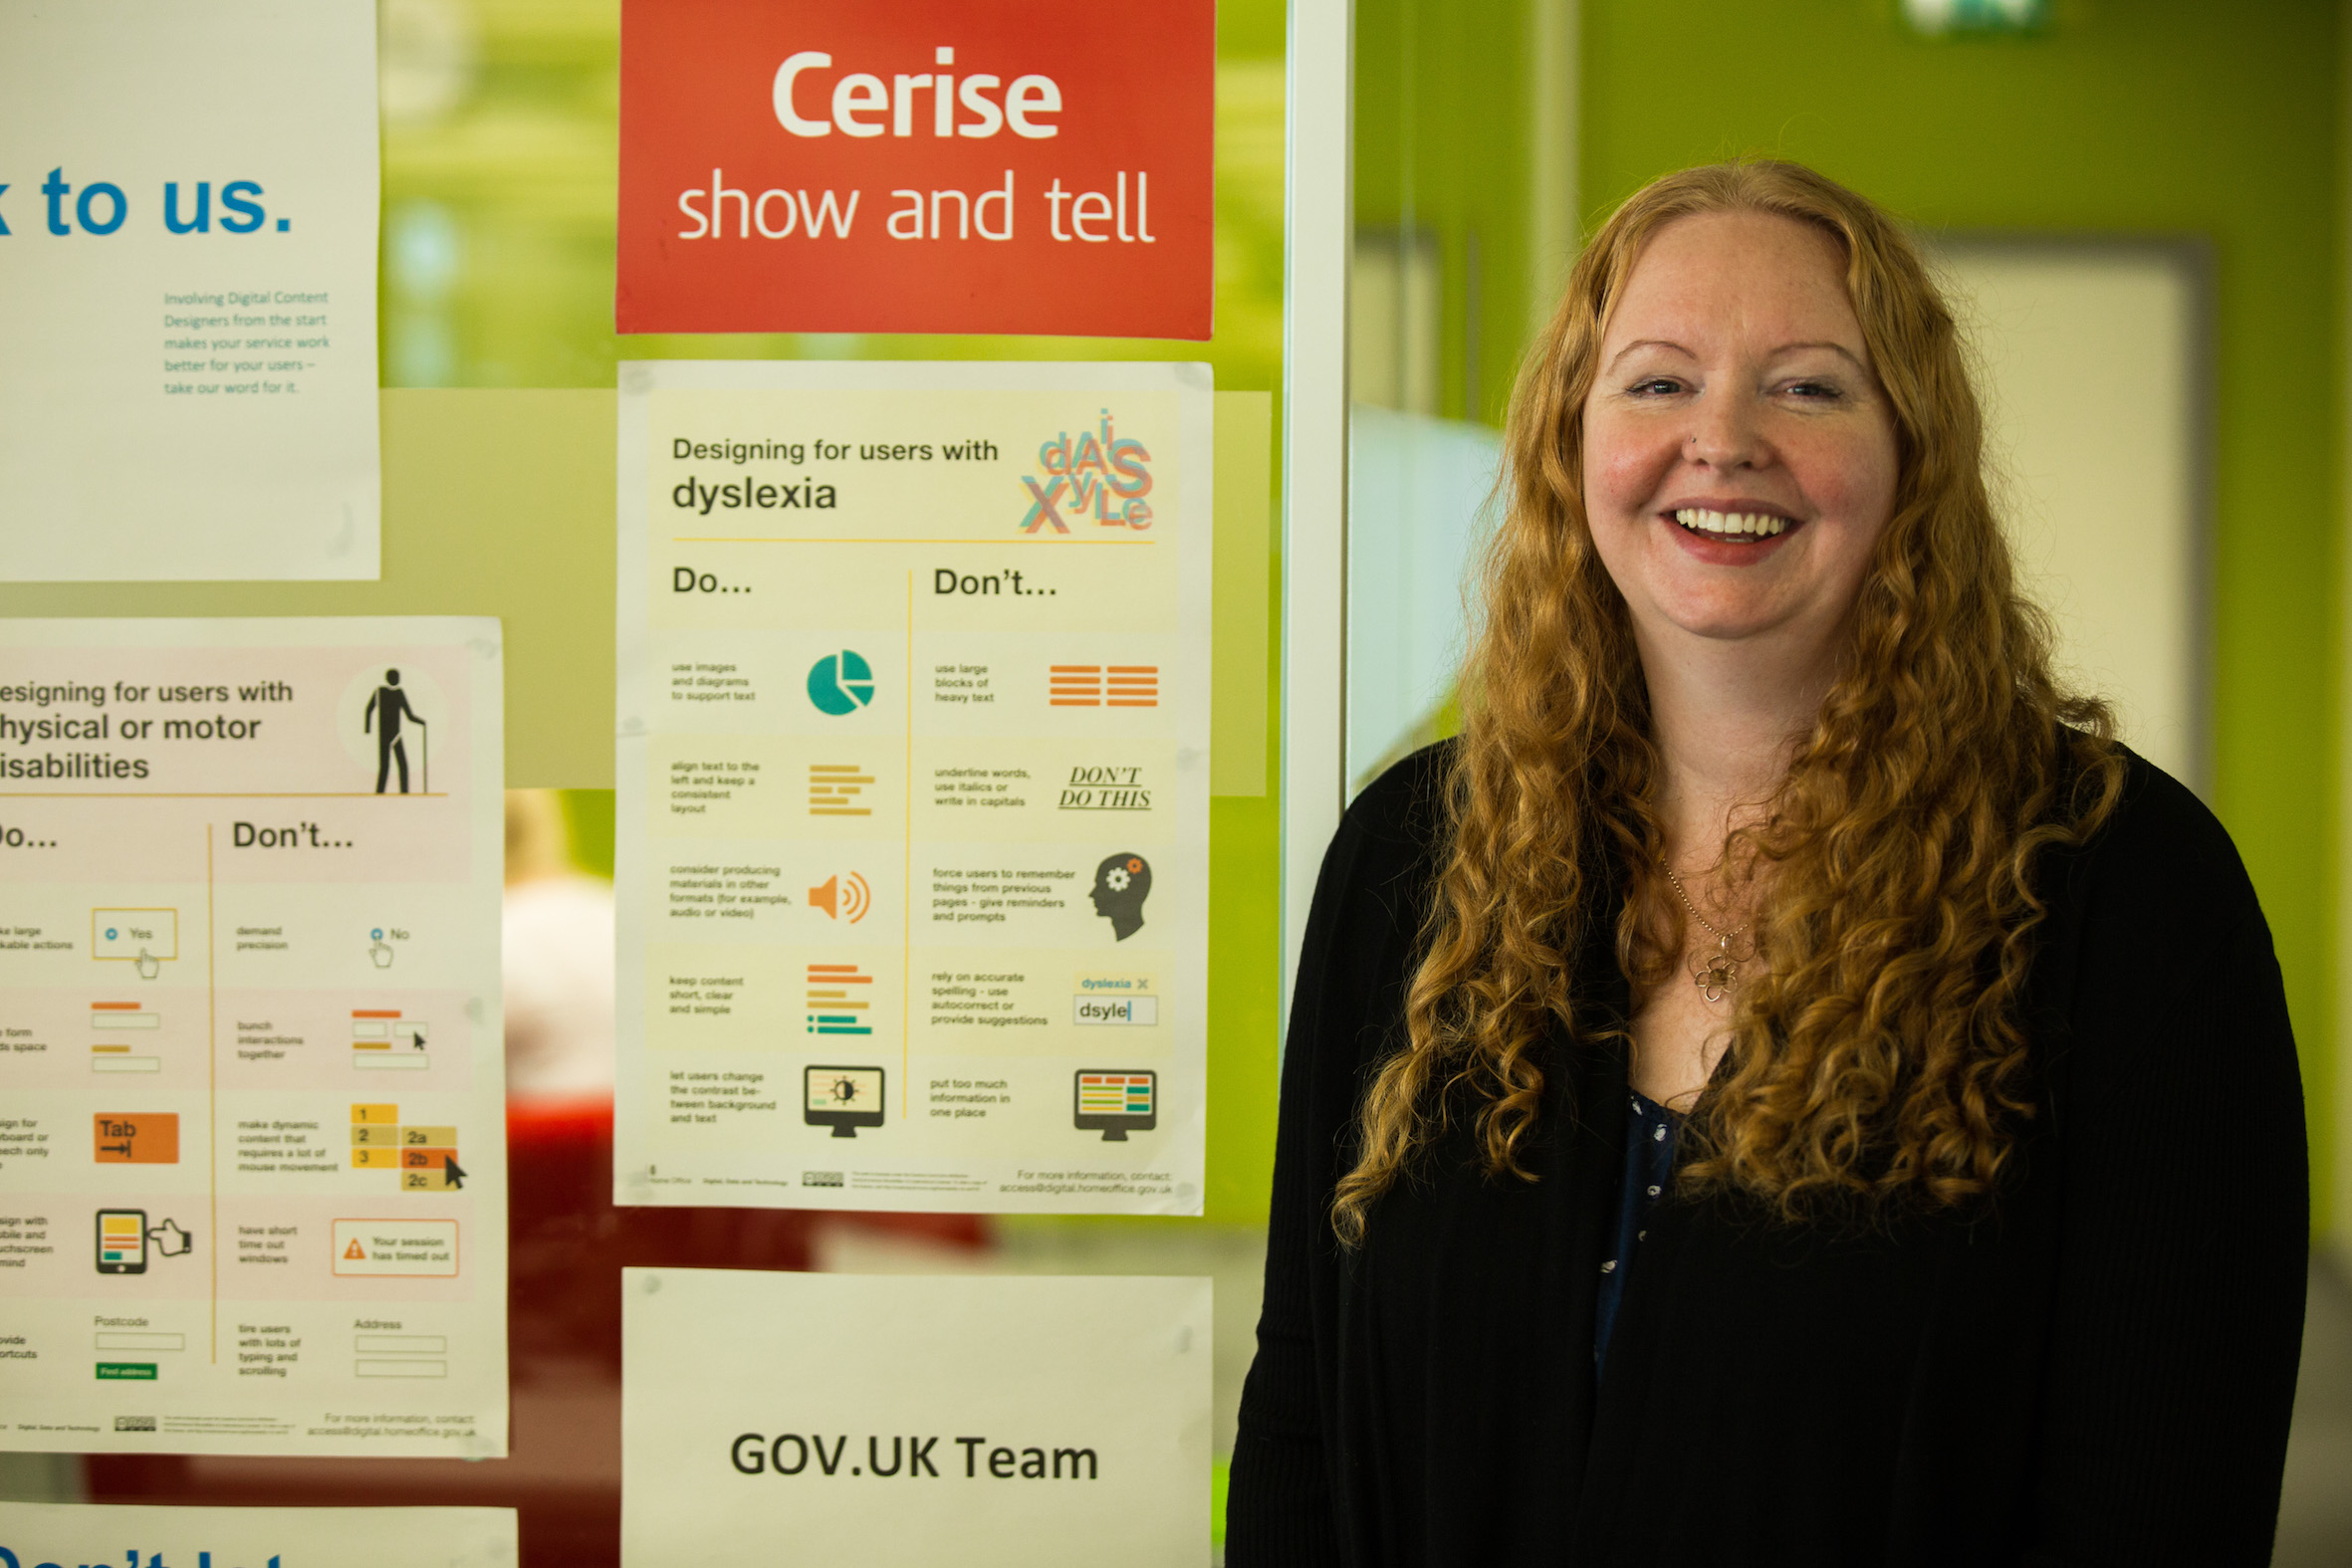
187	290
913	781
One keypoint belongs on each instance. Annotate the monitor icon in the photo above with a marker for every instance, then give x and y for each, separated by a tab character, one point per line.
842	1098
1114	1103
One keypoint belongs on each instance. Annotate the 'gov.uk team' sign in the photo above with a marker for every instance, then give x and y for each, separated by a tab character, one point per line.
917	167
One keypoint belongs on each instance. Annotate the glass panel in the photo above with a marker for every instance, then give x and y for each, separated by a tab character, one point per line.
501	134
1450	104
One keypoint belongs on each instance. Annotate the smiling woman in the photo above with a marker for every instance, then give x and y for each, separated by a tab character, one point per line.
1734	400
1754	1097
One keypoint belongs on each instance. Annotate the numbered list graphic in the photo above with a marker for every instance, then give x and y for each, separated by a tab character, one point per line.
913	772
252	1142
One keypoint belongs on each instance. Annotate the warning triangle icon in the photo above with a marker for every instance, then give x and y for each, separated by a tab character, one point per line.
354	1251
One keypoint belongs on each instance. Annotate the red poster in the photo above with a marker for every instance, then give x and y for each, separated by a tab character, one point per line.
917	167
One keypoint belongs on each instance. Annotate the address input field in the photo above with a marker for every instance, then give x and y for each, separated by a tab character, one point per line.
402	1344
403	1369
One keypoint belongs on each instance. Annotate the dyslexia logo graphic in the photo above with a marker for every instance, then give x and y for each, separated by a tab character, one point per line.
1101	478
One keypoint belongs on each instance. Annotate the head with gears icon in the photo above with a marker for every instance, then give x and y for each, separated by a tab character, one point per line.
1121	884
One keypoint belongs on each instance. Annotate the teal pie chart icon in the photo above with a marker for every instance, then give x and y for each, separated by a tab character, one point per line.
841	683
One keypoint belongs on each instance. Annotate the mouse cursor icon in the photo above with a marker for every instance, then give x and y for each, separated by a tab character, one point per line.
452	1169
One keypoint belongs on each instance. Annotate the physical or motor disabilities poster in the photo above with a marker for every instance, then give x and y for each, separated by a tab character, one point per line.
187	290
913	785
51	1535
900	1422
252	1141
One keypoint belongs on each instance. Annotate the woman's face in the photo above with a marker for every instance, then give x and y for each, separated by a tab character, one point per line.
1739	455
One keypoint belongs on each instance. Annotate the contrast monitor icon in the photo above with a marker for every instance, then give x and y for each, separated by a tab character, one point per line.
1114	1102
842	1098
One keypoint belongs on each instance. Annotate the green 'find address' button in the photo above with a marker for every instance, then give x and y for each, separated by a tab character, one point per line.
126	1372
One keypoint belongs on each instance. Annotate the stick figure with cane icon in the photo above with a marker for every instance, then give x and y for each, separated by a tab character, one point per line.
385	712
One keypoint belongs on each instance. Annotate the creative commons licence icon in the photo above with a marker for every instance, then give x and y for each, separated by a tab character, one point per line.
841	683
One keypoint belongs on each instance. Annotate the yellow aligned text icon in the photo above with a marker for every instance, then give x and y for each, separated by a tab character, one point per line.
834	788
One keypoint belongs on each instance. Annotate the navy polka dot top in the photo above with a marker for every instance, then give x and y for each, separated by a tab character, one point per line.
1649	1161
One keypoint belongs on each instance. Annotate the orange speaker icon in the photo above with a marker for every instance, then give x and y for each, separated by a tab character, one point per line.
843	899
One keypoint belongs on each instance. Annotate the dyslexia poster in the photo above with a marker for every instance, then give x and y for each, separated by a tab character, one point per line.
187	290
43	1535
903	1421
252	1131
913	780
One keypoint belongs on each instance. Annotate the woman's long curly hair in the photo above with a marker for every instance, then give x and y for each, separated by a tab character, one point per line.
1876	1056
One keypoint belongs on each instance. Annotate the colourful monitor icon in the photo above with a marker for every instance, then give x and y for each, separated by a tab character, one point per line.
1114	1103
842	1098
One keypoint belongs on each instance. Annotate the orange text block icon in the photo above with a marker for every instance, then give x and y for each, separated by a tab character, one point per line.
136	1137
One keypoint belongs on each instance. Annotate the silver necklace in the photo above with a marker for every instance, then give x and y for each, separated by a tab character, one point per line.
1715	973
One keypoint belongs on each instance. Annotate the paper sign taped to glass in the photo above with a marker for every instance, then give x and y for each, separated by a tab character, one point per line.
914	772
903	1421
917	167
188	291
252	1129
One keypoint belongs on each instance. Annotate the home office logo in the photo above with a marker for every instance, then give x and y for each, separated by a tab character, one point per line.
1100	479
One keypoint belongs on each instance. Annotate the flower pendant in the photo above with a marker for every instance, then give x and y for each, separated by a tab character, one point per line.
1715	973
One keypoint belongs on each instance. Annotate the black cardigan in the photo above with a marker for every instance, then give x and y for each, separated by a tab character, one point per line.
2101	1372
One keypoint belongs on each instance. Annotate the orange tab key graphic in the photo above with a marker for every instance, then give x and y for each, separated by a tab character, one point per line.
136	1137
